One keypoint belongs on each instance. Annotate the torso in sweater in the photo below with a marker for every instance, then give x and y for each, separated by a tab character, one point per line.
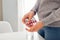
49	12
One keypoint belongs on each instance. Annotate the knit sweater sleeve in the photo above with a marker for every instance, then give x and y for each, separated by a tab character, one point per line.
54	16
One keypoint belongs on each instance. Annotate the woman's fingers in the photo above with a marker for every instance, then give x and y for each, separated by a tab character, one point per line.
23	19
31	29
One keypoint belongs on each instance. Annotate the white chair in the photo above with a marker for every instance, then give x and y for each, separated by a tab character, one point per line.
5	27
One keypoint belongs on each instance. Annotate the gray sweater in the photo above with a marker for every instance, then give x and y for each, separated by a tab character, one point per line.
48	12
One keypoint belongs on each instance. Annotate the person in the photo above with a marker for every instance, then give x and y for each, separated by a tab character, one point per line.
49	19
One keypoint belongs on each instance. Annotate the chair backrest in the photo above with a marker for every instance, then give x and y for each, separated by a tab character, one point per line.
5	27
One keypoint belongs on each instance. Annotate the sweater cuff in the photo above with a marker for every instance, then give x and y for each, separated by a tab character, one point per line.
34	12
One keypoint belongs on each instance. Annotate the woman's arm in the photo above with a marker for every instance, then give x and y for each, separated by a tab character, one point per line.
54	16
35	8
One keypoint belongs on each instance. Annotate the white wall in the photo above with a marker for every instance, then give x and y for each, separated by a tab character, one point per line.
10	13
20	15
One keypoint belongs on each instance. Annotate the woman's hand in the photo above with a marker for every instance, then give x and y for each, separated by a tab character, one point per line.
36	27
28	16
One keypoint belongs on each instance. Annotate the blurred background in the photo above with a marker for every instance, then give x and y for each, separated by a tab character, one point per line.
11	13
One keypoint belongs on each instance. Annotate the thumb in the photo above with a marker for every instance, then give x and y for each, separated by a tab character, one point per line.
30	18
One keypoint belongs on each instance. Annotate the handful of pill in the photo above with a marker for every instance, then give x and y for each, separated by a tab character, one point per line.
31	22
